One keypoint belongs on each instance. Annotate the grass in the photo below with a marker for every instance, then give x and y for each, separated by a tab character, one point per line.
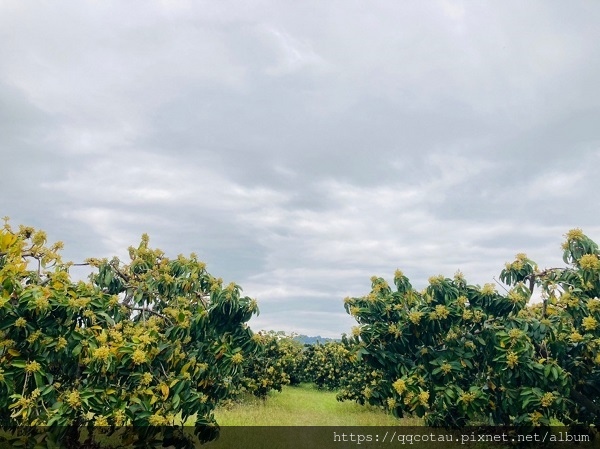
293	418
305	405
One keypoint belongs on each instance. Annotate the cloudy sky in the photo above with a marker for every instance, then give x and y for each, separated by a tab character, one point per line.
301	147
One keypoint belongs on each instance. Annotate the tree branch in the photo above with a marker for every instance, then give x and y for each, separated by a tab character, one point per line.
145	309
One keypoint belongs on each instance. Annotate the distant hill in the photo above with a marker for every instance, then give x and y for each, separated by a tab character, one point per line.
305	339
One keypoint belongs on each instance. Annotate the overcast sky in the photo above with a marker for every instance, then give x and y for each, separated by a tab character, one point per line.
301	147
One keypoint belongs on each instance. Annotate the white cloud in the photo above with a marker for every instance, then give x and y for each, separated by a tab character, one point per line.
293	54
555	184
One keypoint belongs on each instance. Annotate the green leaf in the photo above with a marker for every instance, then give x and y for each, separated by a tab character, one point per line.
39	380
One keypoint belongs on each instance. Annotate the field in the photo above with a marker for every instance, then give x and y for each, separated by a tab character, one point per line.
304	405
305	417
298	417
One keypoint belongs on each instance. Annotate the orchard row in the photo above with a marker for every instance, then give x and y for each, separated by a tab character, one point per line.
155	340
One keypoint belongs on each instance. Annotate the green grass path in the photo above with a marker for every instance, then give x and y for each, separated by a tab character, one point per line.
304	405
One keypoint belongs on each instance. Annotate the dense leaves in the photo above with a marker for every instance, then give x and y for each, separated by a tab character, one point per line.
147	343
273	366
457	353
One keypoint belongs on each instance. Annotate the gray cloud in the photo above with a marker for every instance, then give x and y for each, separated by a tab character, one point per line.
300	149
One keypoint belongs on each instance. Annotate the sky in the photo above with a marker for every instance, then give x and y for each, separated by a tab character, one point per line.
300	148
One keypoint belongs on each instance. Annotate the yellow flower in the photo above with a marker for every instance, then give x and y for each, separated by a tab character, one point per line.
424	398
488	289
115	335
101	421
451	335
547	399
415	317
589	323
575	337
398	274
61	344
157	420
237	358
594	304
355	331
535	417
399	386
33	337
146	379
119	417
436	280
74	400
442	311
101	353
138	357
574	234
32	367
257	338
391	402
467	314
467	397
512	359
514	297
113	301
478	316
102	337
546	322
446	368
42	303
515	333
589	262
146	339
21	322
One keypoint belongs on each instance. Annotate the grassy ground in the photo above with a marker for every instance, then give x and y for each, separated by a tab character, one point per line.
304	405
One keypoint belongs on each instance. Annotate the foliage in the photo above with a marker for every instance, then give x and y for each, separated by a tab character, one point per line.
358	381
266	371
293	359
138	345
457	353
277	363
326	364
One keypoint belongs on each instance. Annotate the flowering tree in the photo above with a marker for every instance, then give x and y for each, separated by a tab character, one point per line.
457	353
144	344
268	369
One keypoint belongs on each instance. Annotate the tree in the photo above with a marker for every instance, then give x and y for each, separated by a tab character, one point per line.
141	344
265	371
457	353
